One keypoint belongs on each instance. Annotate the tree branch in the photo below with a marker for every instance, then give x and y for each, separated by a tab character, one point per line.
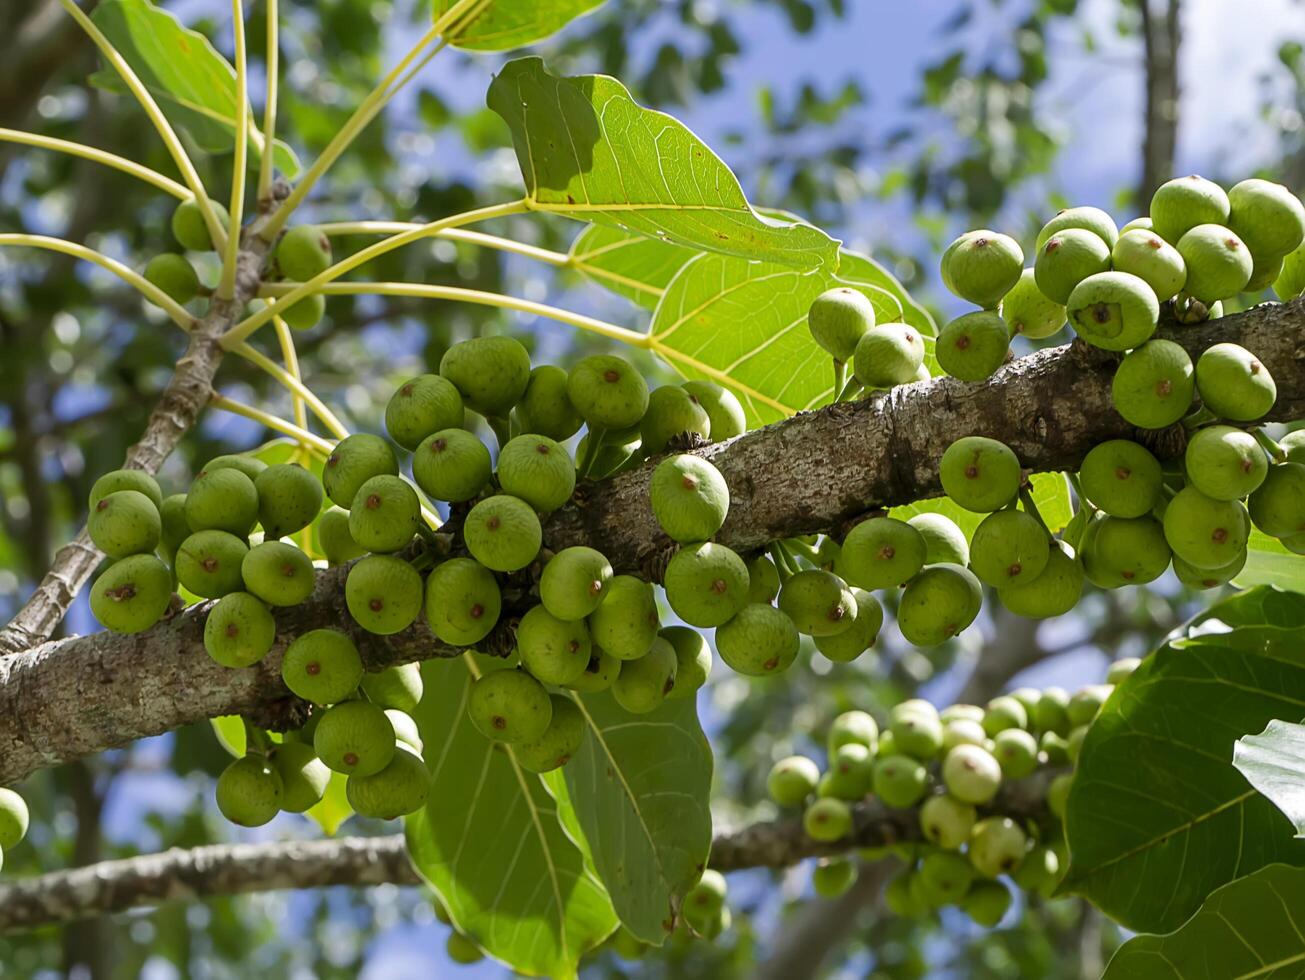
235	869
70	698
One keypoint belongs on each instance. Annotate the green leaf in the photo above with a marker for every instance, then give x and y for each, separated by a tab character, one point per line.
1157	817
1268	562
1251	927
865	271
333	808
181	68
639	788
630	265
1274	763
588	151
230	732
1050	493
489	841
1261	606
507	24
744	324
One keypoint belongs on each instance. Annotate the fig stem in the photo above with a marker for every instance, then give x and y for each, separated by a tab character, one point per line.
840	378
592	445
849	391
256	739
1271	446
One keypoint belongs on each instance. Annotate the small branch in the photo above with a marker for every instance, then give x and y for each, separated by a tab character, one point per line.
273	422
236	869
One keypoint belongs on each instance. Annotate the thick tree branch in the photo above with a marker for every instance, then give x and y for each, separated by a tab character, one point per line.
814	472
235	869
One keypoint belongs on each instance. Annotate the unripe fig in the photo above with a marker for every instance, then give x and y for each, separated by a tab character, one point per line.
239	630
598	675
278	573
1218	263
574	582
304	777
722	406
208	563
982	266
1067	258
397	790
881	553
1293	444
222	500
1153	260
997	846
692	660
607	391
405	729
1053	593
1185	202
354	461
943	540
383	594
1121	478
1120	551
625	623
827	820
1091	219
958	712
1009	547
14	819
1208	578
1263	275
904	898
509	706
132	594
354	738
1113	310
1086	703
690	498
1003	712
334	539
851	773
900	781
917	733
643	684
538	470
760	640
305	313
1234	384
1153	385
421	407
249	791
385	514
251	466
1268	217
1142	223
947	821
555	651
838	318
1058	794
980	474
303	253
126	522
463	601
561	739
502	533
1205	532
545	408
174	275
490	372
832	877
792	780
1291	280
1121	669
971	774
705	901
399	687
853	728
1028	312
451	465
1016	751
963	731
886	355
289	497
972	346
987	903
1278	506
945	877
1225	463
322	666
116	480
462	949
1049	714
706	584
851	643
818	602
763	579
672	412
188	226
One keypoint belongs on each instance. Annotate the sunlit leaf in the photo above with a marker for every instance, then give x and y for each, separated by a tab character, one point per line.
505	24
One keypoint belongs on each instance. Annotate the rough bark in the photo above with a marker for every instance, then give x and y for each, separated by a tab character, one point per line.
234	869
70	698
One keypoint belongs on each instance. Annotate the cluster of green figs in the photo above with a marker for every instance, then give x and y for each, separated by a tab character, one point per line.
1139	514
949	767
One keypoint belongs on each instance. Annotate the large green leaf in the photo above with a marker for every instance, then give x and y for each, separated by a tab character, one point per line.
634	266
1261	606
507	24
1158	817
490	843
588	151
1274	763
744	324
1268	562
333	808
1251	927
185	72
639	789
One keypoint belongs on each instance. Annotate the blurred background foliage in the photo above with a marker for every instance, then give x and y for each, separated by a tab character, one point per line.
891	125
